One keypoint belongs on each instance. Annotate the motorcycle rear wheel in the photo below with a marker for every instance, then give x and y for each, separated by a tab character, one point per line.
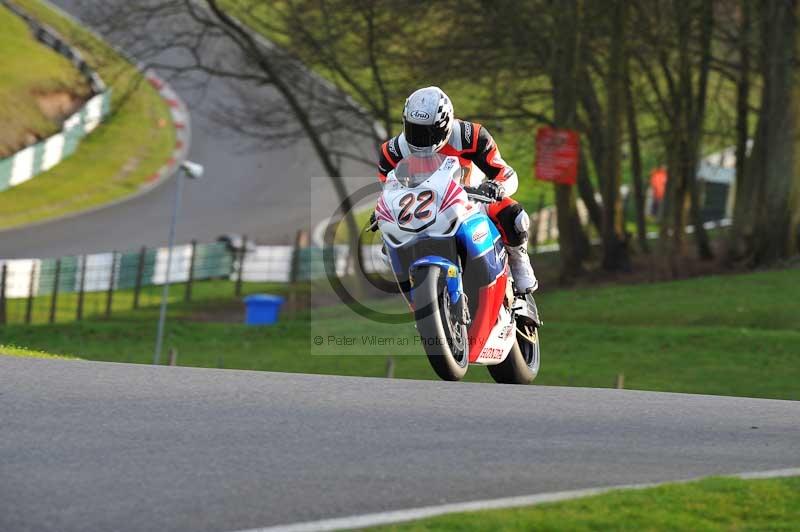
442	335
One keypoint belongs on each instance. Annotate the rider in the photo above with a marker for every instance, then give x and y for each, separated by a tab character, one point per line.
428	127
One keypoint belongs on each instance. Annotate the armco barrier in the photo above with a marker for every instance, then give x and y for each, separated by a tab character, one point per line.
147	267
45	283
40	157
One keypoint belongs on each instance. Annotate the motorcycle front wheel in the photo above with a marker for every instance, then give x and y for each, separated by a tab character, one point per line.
441	332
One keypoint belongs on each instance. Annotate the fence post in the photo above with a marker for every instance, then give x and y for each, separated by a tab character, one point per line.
137	289
188	296
300	242
3	278
110	294
240	273
29	303
54	298
81	288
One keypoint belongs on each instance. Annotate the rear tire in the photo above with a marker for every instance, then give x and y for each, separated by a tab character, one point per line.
522	364
444	339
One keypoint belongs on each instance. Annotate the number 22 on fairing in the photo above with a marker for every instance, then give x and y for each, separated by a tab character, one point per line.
420	203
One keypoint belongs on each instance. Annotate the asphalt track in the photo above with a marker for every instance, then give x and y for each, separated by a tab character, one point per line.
262	193
97	446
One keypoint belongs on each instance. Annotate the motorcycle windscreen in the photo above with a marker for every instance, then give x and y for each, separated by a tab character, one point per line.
417	168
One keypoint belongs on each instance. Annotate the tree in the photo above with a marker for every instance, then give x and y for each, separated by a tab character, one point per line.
675	60
529	55
295	86
743	207
776	198
615	255
564	69
636	160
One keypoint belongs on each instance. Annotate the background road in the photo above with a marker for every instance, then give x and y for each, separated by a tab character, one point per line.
264	194
98	446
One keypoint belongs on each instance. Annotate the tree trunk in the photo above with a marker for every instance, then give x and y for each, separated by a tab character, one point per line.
774	234
636	162
684	124
615	254
586	190
743	205
696	120
564	76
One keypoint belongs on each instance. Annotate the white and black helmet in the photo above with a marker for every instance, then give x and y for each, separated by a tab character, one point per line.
427	120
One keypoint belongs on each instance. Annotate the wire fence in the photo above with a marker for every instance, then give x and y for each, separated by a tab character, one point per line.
34	291
101	284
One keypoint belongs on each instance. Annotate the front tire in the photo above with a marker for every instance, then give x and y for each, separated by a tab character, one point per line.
522	364
443	336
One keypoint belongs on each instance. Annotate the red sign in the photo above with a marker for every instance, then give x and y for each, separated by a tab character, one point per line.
557	155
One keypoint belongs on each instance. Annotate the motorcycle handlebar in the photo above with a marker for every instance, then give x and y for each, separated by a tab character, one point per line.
475	195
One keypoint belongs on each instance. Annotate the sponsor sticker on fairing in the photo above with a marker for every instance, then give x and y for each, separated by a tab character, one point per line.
480	233
492	353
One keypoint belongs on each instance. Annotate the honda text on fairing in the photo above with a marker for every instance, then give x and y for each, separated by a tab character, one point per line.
450	263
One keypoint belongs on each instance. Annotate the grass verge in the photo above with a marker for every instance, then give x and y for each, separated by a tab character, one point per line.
710	504
727	335
112	162
31	71
14	351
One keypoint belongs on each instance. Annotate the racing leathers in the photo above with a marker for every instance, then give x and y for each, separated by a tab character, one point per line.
473	145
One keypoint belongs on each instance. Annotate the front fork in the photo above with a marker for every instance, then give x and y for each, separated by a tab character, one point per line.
455	286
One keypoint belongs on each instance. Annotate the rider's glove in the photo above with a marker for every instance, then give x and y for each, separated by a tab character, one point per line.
492	189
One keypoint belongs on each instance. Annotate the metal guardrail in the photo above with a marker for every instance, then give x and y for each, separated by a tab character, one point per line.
39	290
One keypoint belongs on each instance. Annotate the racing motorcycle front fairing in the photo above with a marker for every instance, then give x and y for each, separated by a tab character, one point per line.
471	260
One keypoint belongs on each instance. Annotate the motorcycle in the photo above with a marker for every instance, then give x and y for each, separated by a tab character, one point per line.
451	266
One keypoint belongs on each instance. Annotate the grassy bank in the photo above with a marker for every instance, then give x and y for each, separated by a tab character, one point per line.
112	162
32	74
727	335
712	504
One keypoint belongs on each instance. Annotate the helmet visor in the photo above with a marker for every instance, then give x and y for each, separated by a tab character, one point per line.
424	136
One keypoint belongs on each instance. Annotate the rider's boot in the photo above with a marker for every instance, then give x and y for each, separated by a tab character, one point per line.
525	282
521	270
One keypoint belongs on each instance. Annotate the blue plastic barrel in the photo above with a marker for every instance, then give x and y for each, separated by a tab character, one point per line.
262	309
